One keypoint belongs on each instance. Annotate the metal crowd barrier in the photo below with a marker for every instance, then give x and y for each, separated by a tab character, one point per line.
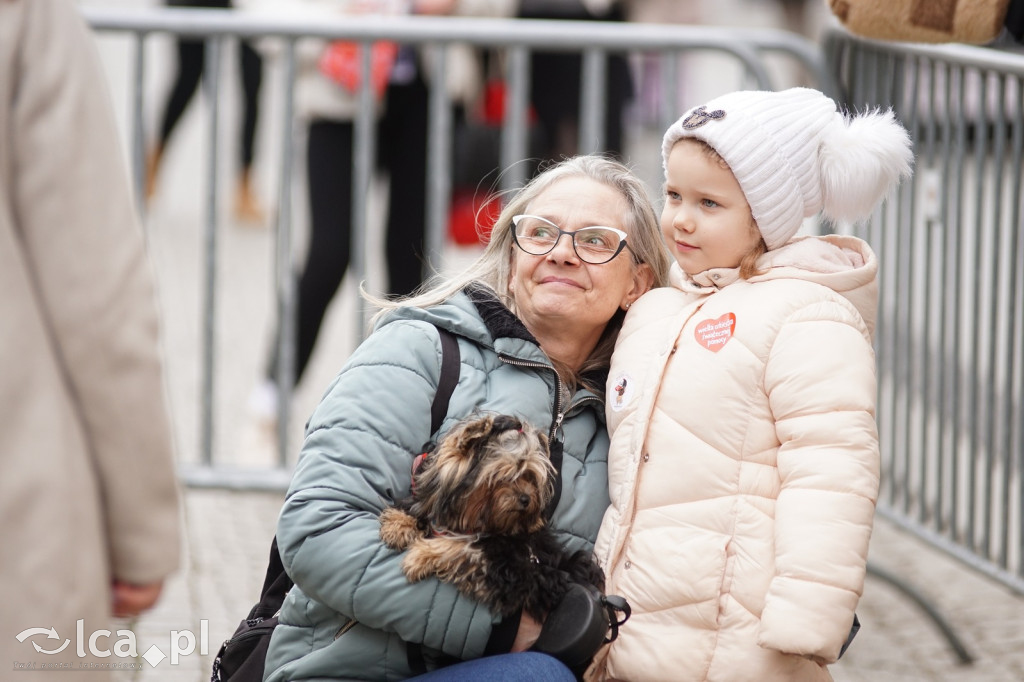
517	38
950	335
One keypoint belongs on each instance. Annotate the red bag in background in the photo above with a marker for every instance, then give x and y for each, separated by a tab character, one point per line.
471	216
475	167
342	63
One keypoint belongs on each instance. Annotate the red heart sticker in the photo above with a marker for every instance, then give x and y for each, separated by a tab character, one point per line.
714	334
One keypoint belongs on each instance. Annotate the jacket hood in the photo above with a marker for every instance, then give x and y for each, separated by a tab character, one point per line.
843	263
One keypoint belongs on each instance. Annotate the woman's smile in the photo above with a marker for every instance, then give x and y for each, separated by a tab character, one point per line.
562	281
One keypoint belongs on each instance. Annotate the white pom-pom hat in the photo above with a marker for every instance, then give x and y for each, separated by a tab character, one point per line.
794	154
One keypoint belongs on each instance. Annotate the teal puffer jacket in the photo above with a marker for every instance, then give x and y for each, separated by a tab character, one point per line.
352	610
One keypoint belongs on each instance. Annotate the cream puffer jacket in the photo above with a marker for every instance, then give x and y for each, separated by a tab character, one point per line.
743	469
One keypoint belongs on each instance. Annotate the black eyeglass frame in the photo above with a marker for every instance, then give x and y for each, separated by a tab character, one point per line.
572	237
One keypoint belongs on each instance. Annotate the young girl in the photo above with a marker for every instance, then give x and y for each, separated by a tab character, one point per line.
744	463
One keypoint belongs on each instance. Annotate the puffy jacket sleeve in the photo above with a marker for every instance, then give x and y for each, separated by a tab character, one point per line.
356	458
820	379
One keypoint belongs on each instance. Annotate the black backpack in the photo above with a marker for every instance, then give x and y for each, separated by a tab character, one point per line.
242	657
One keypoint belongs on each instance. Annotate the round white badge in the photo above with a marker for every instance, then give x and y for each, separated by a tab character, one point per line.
621	393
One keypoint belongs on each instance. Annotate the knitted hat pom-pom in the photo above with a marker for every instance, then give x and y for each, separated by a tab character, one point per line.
861	160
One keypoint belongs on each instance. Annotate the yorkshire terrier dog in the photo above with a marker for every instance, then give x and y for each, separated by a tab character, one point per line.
476	519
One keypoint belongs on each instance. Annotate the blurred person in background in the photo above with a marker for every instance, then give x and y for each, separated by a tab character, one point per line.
556	78
191	54
89	508
327	96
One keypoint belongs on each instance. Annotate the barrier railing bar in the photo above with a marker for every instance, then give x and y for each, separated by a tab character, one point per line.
847	58
886	328
138	140
964	55
284	280
513	134
209	333
230	478
534	33
529	33
903	308
439	161
592	98
1015	347
870	72
958	239
668	108
992	425
1003	356
920	242
929	371
365	150
981	150
946	314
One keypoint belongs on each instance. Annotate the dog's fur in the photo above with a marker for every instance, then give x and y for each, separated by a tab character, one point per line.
476	519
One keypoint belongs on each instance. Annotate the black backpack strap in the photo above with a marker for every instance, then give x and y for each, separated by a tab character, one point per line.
276	583
450	360
275	586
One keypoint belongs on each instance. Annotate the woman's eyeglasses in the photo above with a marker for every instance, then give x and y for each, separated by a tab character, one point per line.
595	245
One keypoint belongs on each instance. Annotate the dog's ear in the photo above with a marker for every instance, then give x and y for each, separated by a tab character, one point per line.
504	422
476	433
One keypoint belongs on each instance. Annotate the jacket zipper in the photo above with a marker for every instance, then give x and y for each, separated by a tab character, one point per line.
587	399
558	416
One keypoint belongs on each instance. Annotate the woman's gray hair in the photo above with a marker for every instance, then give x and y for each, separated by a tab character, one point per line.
493	267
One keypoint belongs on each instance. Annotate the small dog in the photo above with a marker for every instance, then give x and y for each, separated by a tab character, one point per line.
476	519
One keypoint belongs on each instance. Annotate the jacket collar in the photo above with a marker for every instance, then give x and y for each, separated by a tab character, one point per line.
499	320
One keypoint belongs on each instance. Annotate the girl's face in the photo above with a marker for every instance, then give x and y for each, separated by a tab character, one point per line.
706	220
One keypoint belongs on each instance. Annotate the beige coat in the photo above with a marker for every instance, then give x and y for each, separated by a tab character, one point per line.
743	469
87	485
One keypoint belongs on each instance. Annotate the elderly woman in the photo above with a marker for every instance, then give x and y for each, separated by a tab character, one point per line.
535	319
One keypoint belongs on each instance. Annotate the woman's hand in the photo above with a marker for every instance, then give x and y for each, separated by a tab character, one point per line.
529	631
131	600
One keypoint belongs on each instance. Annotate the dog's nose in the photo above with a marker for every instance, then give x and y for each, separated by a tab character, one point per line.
524	500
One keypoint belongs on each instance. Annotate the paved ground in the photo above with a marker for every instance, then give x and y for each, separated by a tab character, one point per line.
228	533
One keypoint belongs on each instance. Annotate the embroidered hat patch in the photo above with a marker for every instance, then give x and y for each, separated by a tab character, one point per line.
700	116
714	334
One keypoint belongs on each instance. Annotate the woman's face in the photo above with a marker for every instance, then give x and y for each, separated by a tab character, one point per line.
557	293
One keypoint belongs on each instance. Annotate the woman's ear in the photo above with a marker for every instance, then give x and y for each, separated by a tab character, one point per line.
643	280
512	272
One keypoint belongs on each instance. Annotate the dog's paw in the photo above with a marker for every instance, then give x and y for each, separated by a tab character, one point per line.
418	562
398	529
450	559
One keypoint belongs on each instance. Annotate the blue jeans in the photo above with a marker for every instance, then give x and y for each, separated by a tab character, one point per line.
528	666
